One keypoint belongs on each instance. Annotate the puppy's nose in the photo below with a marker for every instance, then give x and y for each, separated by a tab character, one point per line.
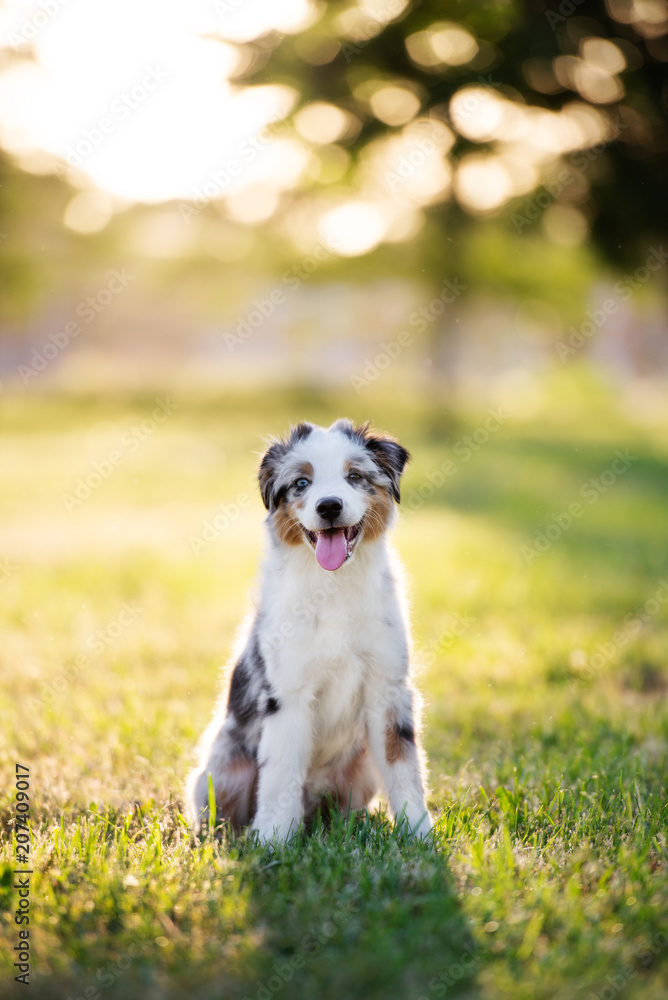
329	507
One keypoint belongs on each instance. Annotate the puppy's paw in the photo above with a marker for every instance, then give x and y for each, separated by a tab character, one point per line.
423	827
416	827
273	832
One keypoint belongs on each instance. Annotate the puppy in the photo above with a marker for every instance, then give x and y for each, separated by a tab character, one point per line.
320	706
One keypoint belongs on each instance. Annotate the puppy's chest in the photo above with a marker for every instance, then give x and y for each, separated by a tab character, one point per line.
318	639
322	632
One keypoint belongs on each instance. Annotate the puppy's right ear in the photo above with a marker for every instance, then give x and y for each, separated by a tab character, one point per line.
272	460
268	471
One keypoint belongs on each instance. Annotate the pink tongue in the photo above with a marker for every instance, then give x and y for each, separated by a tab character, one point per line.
330	549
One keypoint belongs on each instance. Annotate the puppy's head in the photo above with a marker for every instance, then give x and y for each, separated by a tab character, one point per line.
331	489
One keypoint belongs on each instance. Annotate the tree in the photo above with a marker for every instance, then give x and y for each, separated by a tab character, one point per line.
585	79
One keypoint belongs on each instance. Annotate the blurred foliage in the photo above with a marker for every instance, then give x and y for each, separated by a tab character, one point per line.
41	259
529	58
534	55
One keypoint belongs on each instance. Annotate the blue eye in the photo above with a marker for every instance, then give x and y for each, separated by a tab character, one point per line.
354	476
302	483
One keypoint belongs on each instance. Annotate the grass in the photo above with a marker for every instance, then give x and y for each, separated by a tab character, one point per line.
545	679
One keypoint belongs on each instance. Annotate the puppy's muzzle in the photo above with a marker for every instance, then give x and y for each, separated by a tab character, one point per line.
329	508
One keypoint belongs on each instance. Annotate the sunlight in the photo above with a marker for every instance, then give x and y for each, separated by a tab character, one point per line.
565	225
394	105
322	123
88	212
254	204
604	54
147	127
482	182
591	79
353	228
361	22
412	167
443	44
478	113
244	20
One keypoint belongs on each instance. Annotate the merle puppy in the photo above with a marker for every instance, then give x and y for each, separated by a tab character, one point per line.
320	702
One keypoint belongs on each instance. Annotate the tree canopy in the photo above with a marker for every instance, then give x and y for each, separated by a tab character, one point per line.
463	111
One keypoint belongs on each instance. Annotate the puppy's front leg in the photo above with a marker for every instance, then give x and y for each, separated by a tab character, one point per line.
394	744
284	756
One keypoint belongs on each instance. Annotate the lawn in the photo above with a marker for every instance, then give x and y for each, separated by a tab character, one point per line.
536	545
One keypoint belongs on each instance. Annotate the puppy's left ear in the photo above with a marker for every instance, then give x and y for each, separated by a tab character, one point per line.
391	458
